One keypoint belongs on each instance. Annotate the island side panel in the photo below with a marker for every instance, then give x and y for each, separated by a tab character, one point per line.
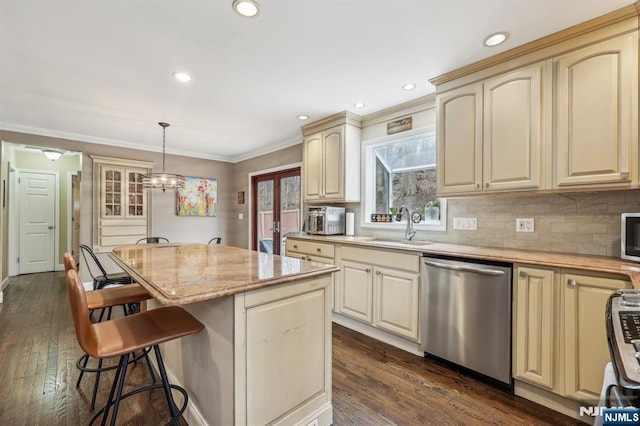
283	354
203	363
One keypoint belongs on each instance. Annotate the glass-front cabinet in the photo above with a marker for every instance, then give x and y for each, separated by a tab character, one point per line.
120	202
121	192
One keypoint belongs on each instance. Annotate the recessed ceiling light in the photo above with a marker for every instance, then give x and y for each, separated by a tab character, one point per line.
359	105
495	39
409	86
303	117
248	8
180	76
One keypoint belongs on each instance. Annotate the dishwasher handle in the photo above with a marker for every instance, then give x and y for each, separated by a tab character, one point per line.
483	271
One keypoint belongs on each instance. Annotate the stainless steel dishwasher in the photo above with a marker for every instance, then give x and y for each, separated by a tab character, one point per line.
466	314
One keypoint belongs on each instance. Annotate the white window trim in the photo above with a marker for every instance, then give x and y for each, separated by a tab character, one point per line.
368	179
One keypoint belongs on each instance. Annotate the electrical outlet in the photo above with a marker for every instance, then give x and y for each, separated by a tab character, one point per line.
524	225
465	223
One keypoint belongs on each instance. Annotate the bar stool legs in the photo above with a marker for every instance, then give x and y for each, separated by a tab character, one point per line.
115	394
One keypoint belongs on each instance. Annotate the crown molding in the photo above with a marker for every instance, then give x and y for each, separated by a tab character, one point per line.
615	17
267	149
406	108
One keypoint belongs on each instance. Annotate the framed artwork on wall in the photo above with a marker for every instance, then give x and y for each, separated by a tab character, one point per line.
199	197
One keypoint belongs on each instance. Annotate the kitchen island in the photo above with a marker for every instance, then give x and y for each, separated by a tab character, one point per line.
264	356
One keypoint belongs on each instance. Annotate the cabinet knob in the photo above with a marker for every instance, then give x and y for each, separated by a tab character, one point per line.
295	247
367	270
319	250
378	273
522	274
624	175
571	282
486	184
477	185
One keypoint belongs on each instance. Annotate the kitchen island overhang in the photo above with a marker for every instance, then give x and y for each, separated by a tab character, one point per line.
265	353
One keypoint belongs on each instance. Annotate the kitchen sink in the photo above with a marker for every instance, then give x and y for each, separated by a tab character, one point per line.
399	242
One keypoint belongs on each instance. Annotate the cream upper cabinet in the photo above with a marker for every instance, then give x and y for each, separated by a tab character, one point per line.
459	134
535	328
491	134
331	159
596	115
513	128
585	342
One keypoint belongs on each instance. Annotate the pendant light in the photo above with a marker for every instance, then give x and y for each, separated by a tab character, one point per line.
163	180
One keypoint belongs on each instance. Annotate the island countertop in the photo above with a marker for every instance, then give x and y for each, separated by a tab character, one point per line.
180	273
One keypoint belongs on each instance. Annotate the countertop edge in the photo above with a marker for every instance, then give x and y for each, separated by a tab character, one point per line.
519	256
230	291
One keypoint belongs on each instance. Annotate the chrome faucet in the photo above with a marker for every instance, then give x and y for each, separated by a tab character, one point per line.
410	232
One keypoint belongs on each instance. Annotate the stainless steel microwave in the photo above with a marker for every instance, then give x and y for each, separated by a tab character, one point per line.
325	220
630	236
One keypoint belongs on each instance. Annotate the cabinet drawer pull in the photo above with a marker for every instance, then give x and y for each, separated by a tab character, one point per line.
367	270
522	274
571	282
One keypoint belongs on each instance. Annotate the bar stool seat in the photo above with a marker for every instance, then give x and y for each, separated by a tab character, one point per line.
115	296
125	335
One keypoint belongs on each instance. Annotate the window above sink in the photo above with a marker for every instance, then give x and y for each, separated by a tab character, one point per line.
401	170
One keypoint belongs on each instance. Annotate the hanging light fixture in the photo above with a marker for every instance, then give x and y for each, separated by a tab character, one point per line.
163	180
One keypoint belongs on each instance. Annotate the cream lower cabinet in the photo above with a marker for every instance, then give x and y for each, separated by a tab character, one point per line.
585	342
380	288
559	329
535	326
313	251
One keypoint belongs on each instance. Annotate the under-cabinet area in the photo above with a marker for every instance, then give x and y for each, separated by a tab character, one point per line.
557	333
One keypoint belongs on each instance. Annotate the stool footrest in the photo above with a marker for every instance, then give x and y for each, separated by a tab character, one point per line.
145	389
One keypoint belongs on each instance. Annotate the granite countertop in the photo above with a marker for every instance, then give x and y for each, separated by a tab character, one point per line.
178	273
531	257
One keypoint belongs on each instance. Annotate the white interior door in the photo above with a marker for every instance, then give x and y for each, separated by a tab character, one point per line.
37	194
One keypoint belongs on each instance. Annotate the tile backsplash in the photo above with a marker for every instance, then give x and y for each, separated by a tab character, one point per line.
584	223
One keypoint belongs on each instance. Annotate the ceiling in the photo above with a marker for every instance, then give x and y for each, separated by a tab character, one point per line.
100	71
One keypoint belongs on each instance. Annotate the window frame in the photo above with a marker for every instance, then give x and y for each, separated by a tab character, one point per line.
368	188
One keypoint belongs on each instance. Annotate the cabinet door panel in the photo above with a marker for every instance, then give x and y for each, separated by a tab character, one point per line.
313	167
334	163
513	130
396	302
535	326
595	114
355	295
460	140
585	344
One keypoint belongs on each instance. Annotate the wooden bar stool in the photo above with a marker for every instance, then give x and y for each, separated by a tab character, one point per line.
123	336
124	295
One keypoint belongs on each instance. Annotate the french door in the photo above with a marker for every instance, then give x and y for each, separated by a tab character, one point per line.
276	208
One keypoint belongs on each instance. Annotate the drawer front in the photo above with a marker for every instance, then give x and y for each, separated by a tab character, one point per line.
310	247
389	259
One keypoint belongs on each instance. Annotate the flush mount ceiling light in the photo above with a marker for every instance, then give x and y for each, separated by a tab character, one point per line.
359	105
181	76
303	117
247	8
495	39
52	154
409	86
163	180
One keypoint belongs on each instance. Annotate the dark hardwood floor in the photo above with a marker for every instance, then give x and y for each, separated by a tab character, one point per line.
373	383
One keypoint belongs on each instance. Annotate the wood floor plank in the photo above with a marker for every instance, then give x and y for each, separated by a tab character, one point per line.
373	383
